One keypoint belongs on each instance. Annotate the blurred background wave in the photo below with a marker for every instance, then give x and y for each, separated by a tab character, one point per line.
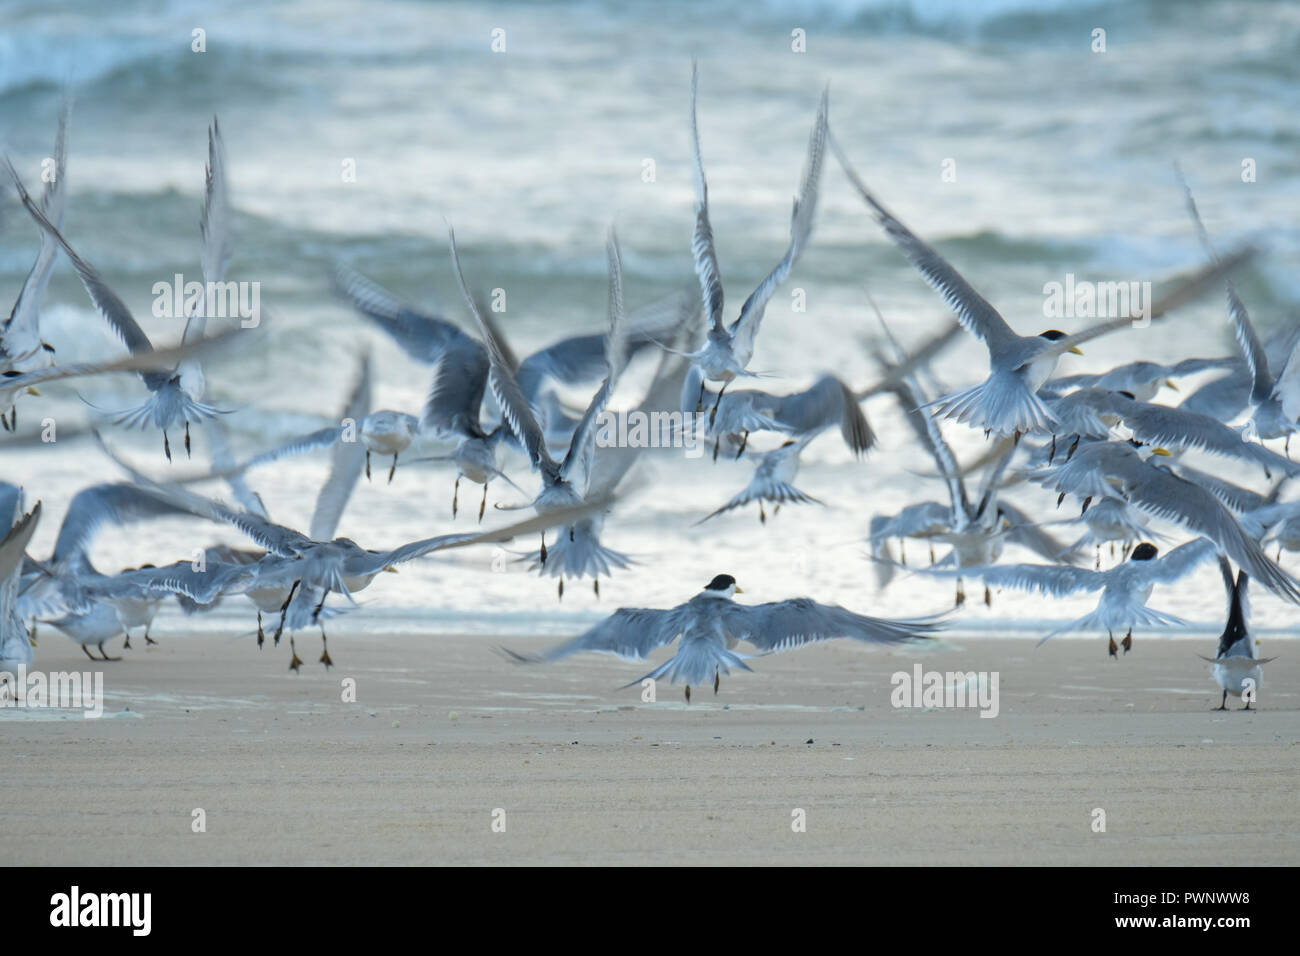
1063	161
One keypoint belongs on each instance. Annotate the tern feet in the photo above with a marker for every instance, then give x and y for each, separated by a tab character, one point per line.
1127	643
1113	648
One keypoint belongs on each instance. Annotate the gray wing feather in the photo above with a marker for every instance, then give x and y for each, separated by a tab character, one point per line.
745	328
782	625
972	310
346	462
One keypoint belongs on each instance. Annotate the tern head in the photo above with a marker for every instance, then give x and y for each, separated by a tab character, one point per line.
724	585
1144	552
1053	335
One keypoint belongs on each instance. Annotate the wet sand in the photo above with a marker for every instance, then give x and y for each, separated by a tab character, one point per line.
445	732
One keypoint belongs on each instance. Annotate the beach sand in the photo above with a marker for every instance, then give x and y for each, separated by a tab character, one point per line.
445	731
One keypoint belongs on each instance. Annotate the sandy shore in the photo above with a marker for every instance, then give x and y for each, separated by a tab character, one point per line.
444	732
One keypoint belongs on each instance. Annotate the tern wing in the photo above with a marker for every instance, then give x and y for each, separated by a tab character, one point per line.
782	625
706	257
630	632
1181	560
112	308
14	543
347	460
1251	347
24	321
745	329
515	409
973	310
828	402
577	463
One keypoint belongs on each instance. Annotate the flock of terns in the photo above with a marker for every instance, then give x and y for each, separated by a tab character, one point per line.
1101	440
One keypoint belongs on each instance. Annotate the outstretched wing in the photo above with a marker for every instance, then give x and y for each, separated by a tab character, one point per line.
745	329
974	312
706	258
515	409
1251	347
630	632
781	625
112	308
346	461
577	463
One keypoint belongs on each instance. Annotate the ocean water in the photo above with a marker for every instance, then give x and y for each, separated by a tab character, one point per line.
1063	159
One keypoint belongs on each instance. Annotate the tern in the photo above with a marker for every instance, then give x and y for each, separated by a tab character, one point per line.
1236	668
711	624
1125	588
175	395
727	349
565	483
1007	402
22	349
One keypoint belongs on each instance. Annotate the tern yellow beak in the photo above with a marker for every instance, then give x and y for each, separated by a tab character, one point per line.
390	569
739	589
1169	382
31	390
1076	351
1162	452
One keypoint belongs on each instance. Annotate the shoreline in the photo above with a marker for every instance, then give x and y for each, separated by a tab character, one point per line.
445	731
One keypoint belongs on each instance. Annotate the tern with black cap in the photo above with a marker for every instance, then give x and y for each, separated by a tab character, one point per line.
711	624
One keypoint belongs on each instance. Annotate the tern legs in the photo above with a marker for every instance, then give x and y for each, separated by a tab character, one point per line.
713	413
367	464
482	505
393	470
455	496
1223	704
284	608
324	650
